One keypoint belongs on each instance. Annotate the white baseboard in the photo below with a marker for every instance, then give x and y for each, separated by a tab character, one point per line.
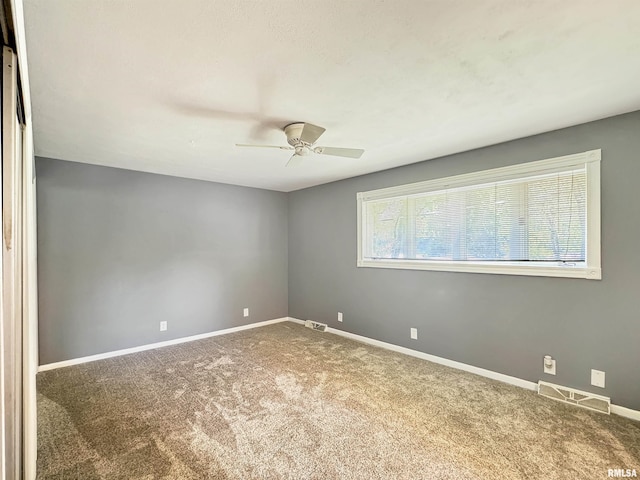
518	382
142	348
626	412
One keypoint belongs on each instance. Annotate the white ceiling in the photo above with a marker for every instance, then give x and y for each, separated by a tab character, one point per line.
170	86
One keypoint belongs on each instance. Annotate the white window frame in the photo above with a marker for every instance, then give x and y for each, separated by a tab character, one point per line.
592	271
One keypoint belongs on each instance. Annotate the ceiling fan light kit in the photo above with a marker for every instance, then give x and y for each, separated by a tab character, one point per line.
302	137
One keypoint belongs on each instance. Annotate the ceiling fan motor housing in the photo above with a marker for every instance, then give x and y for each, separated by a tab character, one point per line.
293	131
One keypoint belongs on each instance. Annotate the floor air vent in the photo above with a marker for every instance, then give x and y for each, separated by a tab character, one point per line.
321	327
575	397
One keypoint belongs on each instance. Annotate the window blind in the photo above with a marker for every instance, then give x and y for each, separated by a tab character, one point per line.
537	218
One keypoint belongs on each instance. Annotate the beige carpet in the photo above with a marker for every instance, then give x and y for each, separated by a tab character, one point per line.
286	402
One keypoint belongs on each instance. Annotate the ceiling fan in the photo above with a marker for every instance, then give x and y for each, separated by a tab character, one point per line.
302	137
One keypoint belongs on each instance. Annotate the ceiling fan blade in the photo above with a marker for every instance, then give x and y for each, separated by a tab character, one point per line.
311	133
264	146
340	152
294	161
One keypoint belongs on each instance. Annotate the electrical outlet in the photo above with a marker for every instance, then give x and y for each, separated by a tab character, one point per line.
549	365
340	316
246	312
163	326
414	333
597	378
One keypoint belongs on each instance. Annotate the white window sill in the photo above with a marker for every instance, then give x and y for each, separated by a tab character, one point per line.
500	268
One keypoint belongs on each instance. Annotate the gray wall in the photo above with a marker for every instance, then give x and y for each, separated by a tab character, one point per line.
499	322
120	251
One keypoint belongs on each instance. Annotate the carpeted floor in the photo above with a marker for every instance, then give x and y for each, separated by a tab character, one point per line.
283	401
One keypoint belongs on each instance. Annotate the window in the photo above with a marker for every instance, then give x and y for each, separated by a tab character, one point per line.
539	218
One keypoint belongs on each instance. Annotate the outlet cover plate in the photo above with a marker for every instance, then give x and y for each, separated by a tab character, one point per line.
245	312
163	326
549	370
339	316
414	333
597	378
